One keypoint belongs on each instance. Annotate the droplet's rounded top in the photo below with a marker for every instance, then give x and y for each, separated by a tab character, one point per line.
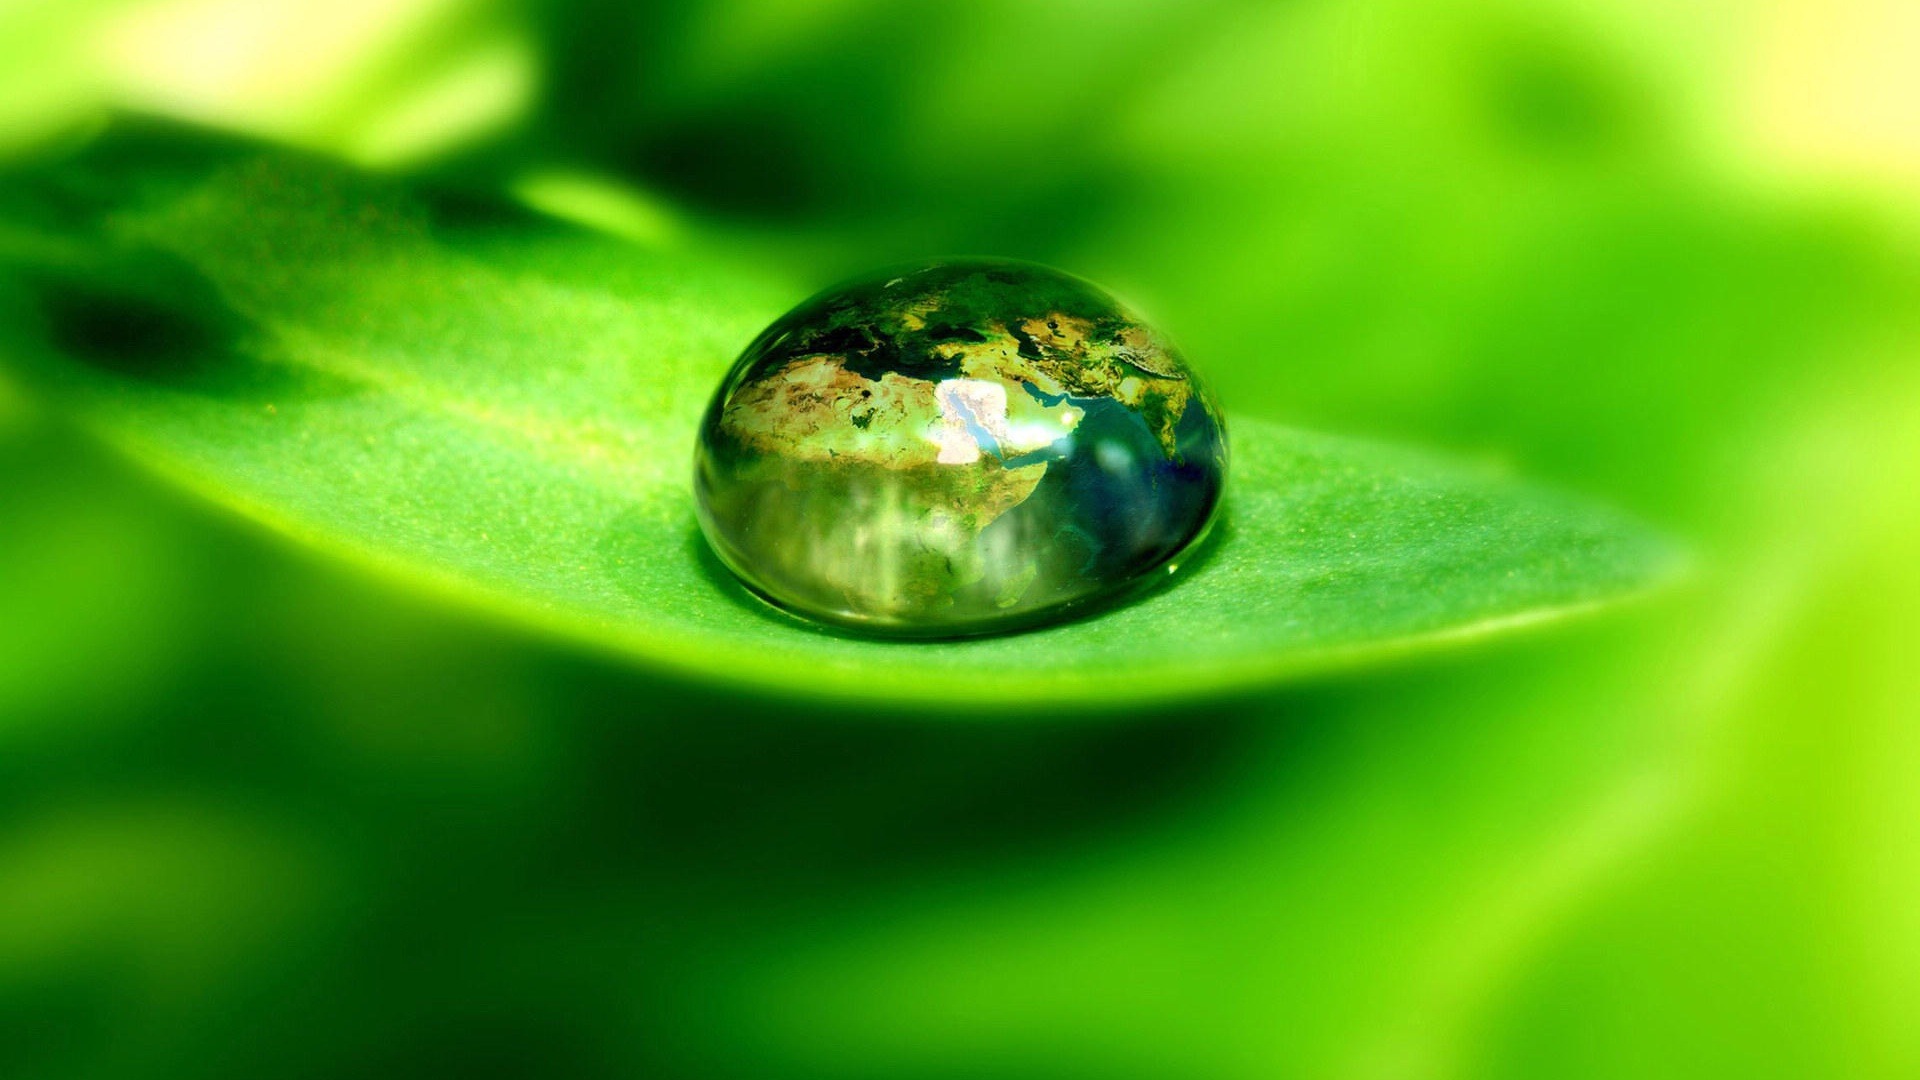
956	448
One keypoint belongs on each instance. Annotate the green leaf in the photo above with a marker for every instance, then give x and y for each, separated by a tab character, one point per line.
503	408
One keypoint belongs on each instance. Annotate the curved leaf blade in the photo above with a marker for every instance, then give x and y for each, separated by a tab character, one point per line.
504	409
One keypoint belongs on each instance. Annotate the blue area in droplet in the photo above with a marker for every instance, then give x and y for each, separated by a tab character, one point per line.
1111	496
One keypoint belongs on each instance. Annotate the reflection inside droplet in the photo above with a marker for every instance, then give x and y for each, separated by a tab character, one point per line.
966	447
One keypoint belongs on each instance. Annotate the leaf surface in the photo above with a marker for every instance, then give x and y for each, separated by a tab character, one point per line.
503	407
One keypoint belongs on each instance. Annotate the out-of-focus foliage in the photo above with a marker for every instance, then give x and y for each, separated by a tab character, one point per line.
263	816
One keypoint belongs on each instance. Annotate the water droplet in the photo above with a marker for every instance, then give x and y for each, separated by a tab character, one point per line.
965	447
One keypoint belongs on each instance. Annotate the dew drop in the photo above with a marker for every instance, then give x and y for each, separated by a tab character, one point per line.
964	447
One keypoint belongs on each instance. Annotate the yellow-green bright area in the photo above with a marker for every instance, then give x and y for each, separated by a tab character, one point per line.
333	744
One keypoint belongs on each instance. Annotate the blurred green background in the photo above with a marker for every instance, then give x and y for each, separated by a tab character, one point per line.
263	815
